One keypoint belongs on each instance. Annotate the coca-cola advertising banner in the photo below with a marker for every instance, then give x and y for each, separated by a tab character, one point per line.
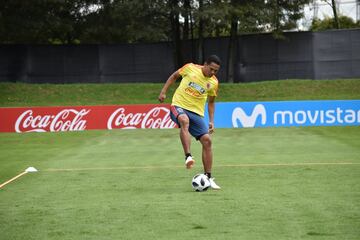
228	115
79	118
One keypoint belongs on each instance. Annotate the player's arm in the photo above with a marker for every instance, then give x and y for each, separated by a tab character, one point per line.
171	80
211	110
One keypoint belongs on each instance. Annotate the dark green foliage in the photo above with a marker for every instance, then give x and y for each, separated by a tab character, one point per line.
329	23
128	21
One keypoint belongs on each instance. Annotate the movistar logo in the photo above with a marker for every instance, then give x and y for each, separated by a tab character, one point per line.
248	121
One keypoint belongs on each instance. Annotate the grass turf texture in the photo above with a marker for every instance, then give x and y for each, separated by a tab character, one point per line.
21	94
132	184
125	184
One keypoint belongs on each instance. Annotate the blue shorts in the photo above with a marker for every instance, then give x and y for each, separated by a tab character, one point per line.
197	126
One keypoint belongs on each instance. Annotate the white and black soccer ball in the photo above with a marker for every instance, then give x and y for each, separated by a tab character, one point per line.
200	182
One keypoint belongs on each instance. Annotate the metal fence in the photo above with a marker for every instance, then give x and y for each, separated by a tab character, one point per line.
258	57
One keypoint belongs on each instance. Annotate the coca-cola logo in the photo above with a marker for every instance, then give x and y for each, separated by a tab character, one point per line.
65	120
157	117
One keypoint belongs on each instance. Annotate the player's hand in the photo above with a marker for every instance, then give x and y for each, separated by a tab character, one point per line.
161	97
211	127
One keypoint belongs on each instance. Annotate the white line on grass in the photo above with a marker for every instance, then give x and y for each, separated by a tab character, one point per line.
287	164
178	166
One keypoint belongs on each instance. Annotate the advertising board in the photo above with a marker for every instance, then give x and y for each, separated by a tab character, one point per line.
287	114
227	115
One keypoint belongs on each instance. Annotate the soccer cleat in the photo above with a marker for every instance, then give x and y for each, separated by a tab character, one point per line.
189	162
213	185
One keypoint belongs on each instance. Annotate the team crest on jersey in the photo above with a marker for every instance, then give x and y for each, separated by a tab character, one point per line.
208	85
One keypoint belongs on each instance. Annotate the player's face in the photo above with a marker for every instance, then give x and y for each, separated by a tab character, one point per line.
211	69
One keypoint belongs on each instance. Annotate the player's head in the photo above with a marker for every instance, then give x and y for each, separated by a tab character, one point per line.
213	59
211	66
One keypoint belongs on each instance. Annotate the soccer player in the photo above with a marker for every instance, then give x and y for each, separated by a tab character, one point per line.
198	84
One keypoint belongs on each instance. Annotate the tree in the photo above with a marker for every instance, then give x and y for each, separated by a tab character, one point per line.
175	29
335	14
234	22
281	15
187	18
39	21
128	21
332	4
330	23
201	21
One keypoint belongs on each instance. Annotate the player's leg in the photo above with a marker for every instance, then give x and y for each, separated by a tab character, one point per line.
207	158
185	136
200	131
180	117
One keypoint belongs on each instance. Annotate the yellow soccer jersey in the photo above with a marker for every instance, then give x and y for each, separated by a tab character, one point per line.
194	89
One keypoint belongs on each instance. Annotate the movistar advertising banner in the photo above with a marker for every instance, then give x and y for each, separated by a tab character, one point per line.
287	114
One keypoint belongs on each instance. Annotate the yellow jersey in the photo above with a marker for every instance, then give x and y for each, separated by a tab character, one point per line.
194	89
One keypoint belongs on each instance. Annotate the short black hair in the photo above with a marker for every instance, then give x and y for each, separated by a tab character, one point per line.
214	59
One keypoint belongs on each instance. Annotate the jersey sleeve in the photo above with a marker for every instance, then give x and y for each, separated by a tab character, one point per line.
214	90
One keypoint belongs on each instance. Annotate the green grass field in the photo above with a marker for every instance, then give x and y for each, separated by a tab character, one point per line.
285	183
21	94
277	183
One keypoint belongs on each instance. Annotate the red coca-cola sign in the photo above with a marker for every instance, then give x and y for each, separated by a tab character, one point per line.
64	120
79	118
157	117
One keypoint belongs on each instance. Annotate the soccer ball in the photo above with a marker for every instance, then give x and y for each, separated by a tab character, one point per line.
200	182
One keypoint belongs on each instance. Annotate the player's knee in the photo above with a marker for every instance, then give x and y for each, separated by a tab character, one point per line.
206	141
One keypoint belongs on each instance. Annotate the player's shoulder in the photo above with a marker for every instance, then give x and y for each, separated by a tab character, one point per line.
191	65
188	67
197	65
185	66
215	79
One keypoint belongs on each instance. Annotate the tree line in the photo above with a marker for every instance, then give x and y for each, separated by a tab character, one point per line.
129	21
135	21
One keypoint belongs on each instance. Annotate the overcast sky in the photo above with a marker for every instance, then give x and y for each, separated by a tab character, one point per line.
345	7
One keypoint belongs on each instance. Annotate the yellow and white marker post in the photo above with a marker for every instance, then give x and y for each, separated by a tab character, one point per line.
28	170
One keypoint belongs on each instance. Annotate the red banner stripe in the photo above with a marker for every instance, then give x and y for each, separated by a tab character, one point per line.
79	118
